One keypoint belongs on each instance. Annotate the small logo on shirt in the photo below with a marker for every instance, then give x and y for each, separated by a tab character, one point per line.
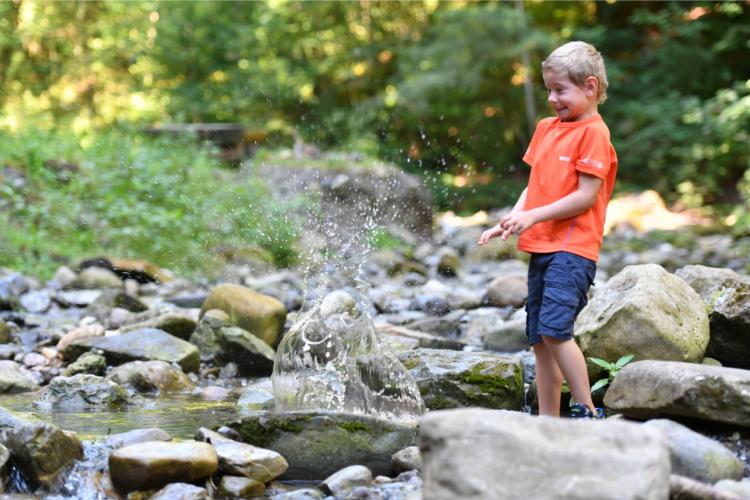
565	158
593	163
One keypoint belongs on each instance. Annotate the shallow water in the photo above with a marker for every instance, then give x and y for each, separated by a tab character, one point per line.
180	416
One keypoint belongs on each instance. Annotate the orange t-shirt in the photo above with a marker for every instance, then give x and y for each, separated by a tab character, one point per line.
558	153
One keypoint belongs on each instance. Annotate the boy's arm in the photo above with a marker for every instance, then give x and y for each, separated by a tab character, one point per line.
568	206
498	230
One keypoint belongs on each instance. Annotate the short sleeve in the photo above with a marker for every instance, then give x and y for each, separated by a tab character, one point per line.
595	153
531	152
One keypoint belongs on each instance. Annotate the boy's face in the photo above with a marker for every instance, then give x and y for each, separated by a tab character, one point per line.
570	102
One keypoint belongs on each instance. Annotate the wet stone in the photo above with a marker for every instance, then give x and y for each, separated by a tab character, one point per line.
240	487
88	362
15	378
181	491
152	376
347	479
82	390
137	436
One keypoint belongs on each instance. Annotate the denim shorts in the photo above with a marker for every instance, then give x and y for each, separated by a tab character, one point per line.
558	288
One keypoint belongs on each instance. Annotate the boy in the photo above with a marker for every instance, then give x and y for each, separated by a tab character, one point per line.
559	218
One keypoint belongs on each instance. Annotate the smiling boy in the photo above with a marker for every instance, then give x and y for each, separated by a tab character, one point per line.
559	218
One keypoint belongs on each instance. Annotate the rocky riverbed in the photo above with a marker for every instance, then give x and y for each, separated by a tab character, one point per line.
108	373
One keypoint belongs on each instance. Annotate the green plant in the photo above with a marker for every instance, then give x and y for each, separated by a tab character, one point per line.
612	370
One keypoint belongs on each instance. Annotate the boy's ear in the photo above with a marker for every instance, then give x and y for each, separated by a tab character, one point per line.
591	86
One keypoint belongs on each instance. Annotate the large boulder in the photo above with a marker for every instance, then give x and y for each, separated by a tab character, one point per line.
452	379
242	459
152	376
646	389
696	456
145	345
154	464
41	450
645	311
15	378
259	314
480	454
318	443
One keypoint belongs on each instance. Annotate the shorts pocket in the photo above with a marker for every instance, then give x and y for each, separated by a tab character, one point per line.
559	308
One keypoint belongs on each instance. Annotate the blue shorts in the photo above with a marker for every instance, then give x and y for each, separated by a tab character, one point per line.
558	286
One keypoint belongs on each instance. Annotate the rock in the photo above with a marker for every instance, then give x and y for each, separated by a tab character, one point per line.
317	443
298	494
338	302
178	325
152	376
508	337
407	459
206	334
78	298
644	389
451	379
4	332
241	459
152	465
542	457
424	339
15	378
730	327
111	299
137	436
508	291
4	466
255	399
685	488
261	315
240	487
448	326
647	312
707	281
81	332
448	262
147	344
41	450
739	488
696	456
88	362
81	391
63	278
344	481
97	277
38	301
252	356
181	491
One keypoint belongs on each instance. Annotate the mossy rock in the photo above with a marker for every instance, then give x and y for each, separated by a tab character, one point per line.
318	443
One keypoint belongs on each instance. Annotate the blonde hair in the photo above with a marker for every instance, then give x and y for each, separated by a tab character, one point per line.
579	60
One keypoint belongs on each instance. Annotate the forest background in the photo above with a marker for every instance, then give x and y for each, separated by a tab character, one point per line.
438	88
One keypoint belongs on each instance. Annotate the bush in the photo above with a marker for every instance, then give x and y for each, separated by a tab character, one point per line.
120	193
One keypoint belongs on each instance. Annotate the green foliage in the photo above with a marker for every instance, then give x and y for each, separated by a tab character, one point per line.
165	200
612	369
380	239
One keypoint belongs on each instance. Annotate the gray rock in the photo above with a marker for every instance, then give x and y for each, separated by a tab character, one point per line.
541	457
152	376
647	312
730	326
509	290
206	334
111	299
181	491
316	443
508	337
97	277
252	356
739	488
137	436
448	262
644	389
41	450
38	301
79	298
241	459
254	399
63	278
240	487
152	465
4	466
88	362
707	281
81	391
448	326
696	456
139	345
15	378
407	459
338	302
685	488
179	325
341	483
451	379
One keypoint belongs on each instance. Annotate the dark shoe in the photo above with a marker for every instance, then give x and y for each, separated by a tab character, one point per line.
579	410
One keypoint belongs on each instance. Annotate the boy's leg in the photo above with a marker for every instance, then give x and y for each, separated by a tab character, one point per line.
548	381
570	360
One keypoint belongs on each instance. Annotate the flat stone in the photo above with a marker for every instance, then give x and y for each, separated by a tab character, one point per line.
152	376
317	443
241	459
647	389
15	378
476	453
137	436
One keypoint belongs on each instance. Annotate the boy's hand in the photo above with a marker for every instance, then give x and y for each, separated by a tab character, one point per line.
516	223
492	232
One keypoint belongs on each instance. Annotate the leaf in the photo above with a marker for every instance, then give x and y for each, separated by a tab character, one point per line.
624	360
599	384
604	364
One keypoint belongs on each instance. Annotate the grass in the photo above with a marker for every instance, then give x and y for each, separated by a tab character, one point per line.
123	194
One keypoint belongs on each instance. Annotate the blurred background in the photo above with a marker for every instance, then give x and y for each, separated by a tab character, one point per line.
91	160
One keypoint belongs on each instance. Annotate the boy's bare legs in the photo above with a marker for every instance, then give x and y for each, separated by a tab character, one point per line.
571	362
548	381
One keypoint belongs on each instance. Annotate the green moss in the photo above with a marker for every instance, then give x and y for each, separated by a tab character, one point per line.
411	363
485	376
253	432
354	426
439	402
